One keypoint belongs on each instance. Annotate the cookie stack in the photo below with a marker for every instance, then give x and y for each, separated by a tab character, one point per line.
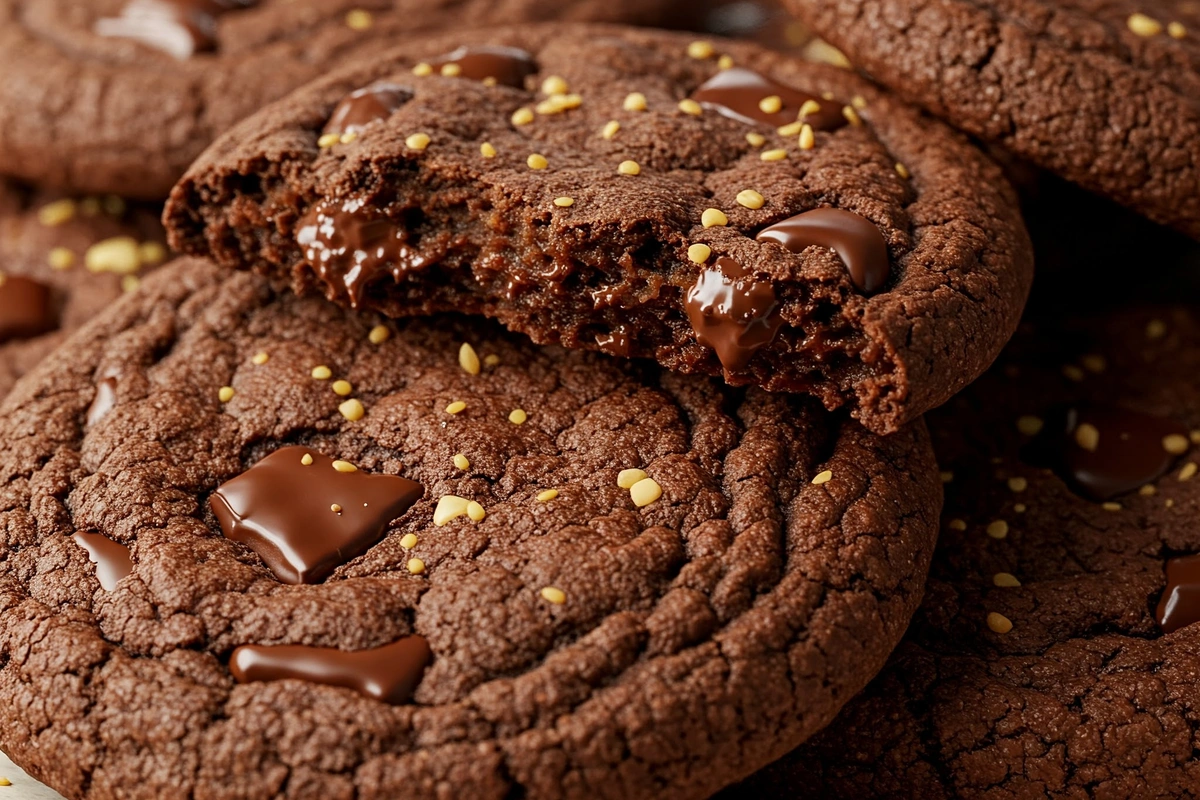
535	406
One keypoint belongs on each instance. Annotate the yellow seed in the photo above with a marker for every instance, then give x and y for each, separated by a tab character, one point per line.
56	213
645	492
748	198
999	623
118	255
1006	580
700	50
344	466
517	416
352	410
553	595
610	129
564	202
89	206
260	358
416	566
1148	490
998	529
808	139
487	150
461	461
1111	506
1188	471
328	140
823	477
418	141
725	62
452	70
1018	484
628	477
547	496
422	69
1087	436
808	108
1144	25
322	373
306	459
456	407
347	138
491	360
791	129
1175	444
335	508
359	20
449	507
475	511
5	781
61	258
774	155
1020	508
699	253
957	525
756	139
902	171
1030	425
1156	329
691	107
635	101
537	161
342	388
1176	30
225	394
851	115
468	359
379	334
555	85
522	116
826	95
1094	362
408	541
629	168
858	101
714	218
771	105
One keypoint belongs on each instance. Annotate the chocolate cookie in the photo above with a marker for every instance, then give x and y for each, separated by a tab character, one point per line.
121	95
1106	94
603	579
62	261
711	205
1054	654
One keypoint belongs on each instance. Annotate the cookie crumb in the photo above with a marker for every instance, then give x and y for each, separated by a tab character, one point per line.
823	477
999	623
517	416
352	410
553	595
468	359
628	477
645	492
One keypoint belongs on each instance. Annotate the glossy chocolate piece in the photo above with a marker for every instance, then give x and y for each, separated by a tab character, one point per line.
732	312
179	28
507	66
369	104
111	558
855	239
26	308
737	93
1180	602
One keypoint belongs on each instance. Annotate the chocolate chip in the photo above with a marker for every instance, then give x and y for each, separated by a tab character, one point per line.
179	28
1180	603
856	239
26	308
739	93
369	104
508	66
733	313
111	558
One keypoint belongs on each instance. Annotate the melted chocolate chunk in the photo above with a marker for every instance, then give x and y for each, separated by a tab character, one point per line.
26	308
179	28
284	510
739	92
111	558
350	247
360	108
508	66
1105	452
105	399
732	312
390	673
856	240
1180	603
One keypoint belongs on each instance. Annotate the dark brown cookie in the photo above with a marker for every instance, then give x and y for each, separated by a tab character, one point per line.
568	636
62	261
121	95
611	199
1105	93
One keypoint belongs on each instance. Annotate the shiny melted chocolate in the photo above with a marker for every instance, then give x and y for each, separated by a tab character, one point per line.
507	66
738	92
179	28
369	104
1180	602
733	312
111	558
27	308
855	239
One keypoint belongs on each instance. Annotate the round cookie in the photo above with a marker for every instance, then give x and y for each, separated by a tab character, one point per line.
63	261
1105	94
119	96
610	580
626	191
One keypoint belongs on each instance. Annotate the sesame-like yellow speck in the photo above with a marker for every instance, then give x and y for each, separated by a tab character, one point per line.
468	359
791	129
1073	373
902	171
517	416
629	168
808	108
756	139
851	115
999	623
1176	444
1110	506
555	84
342	388
90	206
260	358
957	525
61	258
774	155
537	161
118	255
554	595
475	512
152	253
344	466
418	141
352	409
808	139
1005	580
114	205
1156	329
564	202
626	478
1020	508
645	492
610	129
700	50
1169	502
946	476
547	496
725	62
422	70
327	140
408	541
691	107
635	101
1094	362
699	253
1149	490
491	360
748	198
347	138
56	213
458	406
714	218
452	70
359	20
130	283
1018	484
416	566
461	462
1030	425
449	507
522	116
5	781
823	477
487	150
1194	436
1087	436
826	95
335	508
997	529
772	104
1144	25
322	373
379	334
306	459
1176	30
1188	471
225	394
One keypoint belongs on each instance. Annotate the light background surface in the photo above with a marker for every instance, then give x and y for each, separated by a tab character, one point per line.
23	787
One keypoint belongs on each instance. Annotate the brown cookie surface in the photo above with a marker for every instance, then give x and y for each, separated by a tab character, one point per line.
586	639
1105	93
610	199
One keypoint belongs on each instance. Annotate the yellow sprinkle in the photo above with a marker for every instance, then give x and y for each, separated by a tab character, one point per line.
322	373
452	70
118	255
552	595
260	358
610	129
700	50
1188	471
645	492
344	466
691	107
774	155
537	161
808	139
725	62
491	360
1148	490
61	258
468	359
475	511
1006	580
555	85
359	20
522	116
699	253
748	198
418	141
422	69
998	529
225	394
629	168
456	407
635	101
5	781
335	508
547	496
56	213
328	140
564	202
449	507
306	459
851	115
1175	444
1087	436
791	129
902	171
379	334
517	417
858	101
1020	508
827	95
756	139
957	525
352	410
408	541
999	623
1018	484
1156	329
487	150
461	461
628	477
347	138
1176	30
823	477
714	218
416	566
1030	425
1144	25
1111	506
342	388
771	105
808	108
489	81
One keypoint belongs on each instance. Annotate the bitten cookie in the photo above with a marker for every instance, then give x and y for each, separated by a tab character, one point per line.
62	261
119	96
712	205
1106	94
335	557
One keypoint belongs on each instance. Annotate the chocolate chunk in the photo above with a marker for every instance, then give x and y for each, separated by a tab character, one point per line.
363	106
111	558
307	519
1180	603
390	673
732	312
508	66
26	308
179	28
856	240
738	93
